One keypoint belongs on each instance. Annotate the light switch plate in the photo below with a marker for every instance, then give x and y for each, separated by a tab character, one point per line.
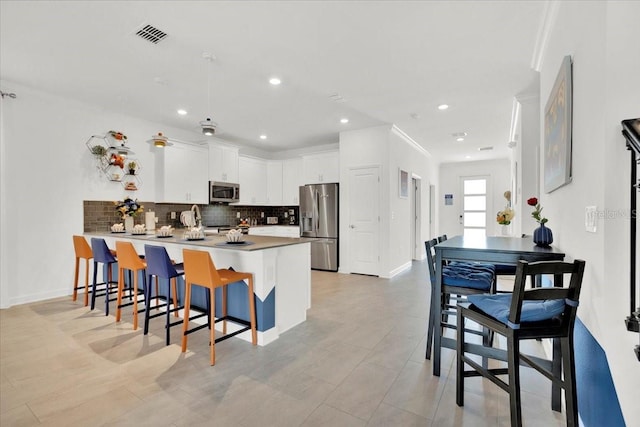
590	219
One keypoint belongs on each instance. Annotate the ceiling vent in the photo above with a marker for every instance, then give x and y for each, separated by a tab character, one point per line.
150	33
485	148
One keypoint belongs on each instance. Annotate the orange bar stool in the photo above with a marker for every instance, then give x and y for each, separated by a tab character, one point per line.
200	270
83	251
128	259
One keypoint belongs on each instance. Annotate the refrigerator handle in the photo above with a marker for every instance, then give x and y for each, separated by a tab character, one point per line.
317	213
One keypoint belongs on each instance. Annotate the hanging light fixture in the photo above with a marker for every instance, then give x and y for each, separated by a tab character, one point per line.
159	140
208	126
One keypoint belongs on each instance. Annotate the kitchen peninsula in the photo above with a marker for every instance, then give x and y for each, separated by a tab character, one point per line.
281	269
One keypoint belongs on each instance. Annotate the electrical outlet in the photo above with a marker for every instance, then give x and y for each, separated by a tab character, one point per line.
261	214
238	214
173	215
590	219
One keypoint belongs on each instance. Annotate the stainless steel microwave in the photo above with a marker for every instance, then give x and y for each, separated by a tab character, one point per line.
223	192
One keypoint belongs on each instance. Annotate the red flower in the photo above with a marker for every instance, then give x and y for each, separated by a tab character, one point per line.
537	210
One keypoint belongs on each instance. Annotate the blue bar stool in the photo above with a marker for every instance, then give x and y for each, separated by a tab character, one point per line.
103	255
160	265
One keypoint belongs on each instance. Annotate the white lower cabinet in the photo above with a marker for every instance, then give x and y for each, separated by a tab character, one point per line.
182	174
276	231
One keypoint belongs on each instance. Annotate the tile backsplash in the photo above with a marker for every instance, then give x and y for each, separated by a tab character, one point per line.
100	215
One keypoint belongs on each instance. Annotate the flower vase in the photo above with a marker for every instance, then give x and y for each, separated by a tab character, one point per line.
128	224
542	236
504	230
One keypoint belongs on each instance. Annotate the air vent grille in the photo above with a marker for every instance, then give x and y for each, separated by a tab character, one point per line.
485	148
151	34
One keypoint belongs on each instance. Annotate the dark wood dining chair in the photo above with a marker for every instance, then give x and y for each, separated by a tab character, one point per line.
546	312
457	282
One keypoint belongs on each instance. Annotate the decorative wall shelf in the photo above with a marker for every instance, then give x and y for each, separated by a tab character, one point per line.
112	159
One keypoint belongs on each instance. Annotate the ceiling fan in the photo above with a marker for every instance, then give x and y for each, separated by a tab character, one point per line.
208	126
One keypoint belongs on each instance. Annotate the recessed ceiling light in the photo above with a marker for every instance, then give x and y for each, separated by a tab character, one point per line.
263	136
443	107
467	157
459	136
275	81
182	112
344	120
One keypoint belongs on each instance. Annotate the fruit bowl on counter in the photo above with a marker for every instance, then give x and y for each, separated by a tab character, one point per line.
139	229
117	228
235	236
194	233
165	231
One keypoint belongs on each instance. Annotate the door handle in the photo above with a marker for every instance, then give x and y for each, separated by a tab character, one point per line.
352	226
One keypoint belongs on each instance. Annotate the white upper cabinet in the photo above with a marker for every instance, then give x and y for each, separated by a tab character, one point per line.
291	181
322	167
253	181
274	182
223	163
182	174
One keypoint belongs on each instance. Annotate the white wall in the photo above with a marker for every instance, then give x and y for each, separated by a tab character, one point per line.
387	147
404	156
525	163
602	38
498	174
47	172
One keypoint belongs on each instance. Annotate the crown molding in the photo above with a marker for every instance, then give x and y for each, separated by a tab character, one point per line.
395	129
544	33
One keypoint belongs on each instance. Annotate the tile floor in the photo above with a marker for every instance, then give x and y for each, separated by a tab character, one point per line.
358	360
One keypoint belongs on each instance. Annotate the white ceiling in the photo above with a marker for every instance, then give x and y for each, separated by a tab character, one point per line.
388	60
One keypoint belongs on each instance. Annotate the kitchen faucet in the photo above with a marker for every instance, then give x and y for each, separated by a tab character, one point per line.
197	216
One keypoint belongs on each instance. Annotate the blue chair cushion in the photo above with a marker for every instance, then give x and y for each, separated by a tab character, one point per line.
498	306
466	278
482	266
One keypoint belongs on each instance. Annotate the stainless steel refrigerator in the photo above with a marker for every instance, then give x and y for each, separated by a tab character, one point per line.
319	220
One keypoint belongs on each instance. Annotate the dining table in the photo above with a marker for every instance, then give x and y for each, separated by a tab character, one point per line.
498	250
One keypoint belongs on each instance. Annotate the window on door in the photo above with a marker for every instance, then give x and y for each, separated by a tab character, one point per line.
474	214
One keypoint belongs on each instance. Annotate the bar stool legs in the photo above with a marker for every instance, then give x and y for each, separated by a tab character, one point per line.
82	250
128	259
200	271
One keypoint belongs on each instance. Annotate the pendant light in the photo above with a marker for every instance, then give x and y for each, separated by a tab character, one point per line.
159	140
208	126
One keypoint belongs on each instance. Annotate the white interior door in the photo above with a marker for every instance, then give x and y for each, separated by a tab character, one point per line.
364	220
416	223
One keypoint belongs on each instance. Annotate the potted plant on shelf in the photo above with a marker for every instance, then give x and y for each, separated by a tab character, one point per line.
132	167
98	150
